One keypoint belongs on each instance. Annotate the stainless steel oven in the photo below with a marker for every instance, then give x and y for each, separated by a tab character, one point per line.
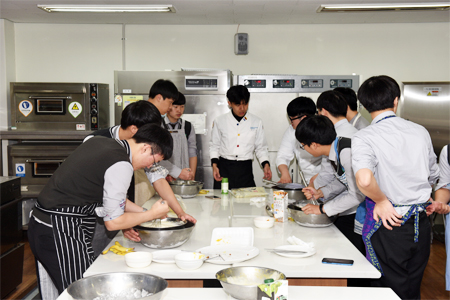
35	163
46	106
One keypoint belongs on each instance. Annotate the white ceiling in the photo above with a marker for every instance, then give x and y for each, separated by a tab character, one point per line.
219	12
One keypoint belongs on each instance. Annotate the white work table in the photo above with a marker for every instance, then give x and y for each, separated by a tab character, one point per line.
238	212
294	293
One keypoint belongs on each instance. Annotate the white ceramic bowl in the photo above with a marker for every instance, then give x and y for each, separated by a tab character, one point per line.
139	259
189	260
264	222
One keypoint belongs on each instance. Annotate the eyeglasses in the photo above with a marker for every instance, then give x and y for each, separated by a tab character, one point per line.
302	146
296	118
155	164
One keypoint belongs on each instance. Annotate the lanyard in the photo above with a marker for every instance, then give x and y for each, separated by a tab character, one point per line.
336	141
387	117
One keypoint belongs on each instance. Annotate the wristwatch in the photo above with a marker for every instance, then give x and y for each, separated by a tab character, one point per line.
321	208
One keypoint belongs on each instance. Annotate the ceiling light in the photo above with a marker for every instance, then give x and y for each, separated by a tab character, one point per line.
382	7
108	8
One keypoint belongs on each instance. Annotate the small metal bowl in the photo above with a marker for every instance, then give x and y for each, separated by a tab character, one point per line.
186	188
165	237
242	282
309	220
117	283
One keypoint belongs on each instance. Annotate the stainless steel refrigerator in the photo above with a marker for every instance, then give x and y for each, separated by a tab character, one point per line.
205	92
428	104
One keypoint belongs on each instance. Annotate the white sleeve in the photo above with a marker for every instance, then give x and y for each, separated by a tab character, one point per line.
326	174
261	147
117	182
286	151
363	156
174	171
444	179
214	144
434	168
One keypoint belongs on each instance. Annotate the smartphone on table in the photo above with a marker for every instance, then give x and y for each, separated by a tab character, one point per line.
337	261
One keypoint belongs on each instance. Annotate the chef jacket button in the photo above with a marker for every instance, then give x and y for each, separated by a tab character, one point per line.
236	156
239	134
238	145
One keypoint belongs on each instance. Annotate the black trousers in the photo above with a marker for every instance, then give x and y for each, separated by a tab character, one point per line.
346	225
42	245
403	261
238	172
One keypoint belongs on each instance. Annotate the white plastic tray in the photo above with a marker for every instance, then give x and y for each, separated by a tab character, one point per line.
242	236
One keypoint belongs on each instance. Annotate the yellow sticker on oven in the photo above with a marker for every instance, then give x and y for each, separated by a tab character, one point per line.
75	109
25	107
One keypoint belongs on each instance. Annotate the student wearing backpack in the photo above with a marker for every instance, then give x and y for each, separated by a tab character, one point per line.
184	139
318	137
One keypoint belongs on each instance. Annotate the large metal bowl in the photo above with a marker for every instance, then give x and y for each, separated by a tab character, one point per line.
165	238
242	282
114	284
186	188
308	220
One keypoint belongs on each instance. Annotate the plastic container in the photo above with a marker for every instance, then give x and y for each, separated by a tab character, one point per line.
224	186
242	236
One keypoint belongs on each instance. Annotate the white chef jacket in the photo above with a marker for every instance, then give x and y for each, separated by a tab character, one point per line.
234	140
326	174
290	148
401	157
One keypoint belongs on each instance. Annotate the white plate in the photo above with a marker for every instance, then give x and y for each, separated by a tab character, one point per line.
165	256
309	251
231	253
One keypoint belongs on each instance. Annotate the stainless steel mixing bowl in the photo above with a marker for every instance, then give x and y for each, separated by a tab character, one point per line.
170	237
242	282
117	283
186	188
308	220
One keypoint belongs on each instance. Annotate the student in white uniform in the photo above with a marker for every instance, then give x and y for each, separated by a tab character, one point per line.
235	136
441	203
297	110
353	116
162	95
318	136
184	139
395	167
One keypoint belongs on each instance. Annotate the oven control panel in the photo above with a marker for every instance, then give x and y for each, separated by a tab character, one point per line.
94	106
273	83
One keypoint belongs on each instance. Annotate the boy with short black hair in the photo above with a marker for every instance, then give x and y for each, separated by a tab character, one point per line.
395	167
353	116
234	138
297	110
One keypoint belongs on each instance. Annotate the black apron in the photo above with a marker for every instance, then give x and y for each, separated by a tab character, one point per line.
73	229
